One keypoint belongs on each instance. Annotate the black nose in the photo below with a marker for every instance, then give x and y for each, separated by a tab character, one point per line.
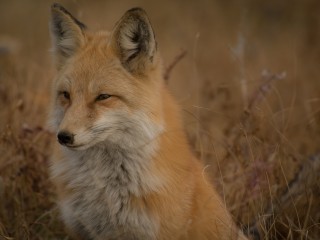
65	138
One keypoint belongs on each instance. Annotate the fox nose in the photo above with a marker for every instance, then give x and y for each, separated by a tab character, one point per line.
65	138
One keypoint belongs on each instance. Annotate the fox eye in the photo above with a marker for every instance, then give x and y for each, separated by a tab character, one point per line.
65	94
102	97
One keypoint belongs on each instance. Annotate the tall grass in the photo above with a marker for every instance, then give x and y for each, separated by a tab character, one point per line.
249	87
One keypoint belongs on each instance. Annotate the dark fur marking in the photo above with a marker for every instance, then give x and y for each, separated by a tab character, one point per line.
135	38
62	9
124	170
81	231
136	9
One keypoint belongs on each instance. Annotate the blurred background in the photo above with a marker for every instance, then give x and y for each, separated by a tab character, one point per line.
248	81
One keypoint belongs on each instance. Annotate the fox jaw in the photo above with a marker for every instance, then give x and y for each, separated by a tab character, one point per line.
103	92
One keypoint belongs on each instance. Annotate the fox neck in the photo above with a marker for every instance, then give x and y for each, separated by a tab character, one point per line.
117	166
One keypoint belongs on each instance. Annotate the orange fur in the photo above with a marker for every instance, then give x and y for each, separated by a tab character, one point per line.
163	189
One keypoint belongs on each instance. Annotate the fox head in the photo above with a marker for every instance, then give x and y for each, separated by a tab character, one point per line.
107	88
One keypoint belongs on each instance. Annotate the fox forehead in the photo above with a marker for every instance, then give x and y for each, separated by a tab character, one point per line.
84	79
95	68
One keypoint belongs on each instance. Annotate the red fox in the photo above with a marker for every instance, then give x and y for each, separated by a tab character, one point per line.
125	169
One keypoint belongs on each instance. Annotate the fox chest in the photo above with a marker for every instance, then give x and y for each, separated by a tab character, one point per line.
100	219
98	204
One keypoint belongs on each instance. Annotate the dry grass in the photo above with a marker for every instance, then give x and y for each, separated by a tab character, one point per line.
258	131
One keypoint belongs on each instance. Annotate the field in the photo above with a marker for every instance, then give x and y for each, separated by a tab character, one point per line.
247	75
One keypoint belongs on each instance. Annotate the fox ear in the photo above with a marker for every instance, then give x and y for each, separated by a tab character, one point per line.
134	42
66	33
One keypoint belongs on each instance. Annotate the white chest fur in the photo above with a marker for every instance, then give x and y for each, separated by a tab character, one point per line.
102	181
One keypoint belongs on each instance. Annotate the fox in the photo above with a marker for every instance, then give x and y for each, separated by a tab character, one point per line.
123	168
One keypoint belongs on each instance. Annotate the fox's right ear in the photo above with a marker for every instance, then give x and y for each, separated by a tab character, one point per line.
134	41
67	33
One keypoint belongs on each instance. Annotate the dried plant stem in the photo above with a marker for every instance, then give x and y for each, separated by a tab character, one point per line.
175	61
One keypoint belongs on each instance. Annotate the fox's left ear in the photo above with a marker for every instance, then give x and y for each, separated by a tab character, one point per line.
67	33
134	41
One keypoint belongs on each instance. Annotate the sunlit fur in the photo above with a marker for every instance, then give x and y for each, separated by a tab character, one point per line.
129	173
